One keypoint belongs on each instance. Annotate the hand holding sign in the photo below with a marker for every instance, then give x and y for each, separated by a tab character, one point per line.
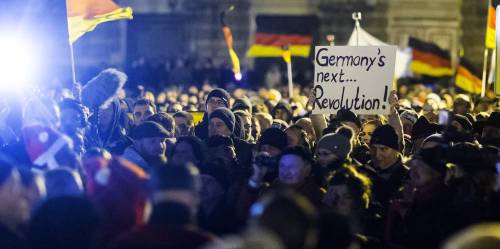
354	78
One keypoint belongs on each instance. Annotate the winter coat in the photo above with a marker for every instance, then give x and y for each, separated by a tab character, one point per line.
169	227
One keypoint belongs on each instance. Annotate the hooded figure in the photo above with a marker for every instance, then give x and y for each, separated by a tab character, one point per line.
106	131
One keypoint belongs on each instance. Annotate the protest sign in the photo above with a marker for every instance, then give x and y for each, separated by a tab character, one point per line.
358	78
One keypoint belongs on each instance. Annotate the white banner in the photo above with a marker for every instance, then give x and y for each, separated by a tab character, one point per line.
357	78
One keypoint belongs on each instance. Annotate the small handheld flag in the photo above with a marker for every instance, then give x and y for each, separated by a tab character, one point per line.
85	15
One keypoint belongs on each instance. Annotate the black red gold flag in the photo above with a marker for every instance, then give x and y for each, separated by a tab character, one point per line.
275	32
468	78
429	59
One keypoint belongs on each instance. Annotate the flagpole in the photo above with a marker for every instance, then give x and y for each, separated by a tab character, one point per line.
356	16
485	66
290	80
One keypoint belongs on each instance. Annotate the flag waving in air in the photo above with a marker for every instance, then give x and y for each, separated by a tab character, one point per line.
429	59
468	78
275	32
491	24
85	15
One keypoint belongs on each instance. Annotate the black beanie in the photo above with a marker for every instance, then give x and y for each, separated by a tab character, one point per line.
435	157
220	93
274	137
344	115
422	128
226	116
149	129
385	135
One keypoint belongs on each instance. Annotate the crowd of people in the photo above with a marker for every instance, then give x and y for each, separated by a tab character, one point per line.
102	167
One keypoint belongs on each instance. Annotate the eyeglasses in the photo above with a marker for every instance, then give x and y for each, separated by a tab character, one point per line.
218	102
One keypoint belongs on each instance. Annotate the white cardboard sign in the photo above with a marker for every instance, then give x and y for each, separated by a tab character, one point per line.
358	78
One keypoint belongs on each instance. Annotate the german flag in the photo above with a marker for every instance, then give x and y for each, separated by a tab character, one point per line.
429	59
275	32
467	77
85	15
491	24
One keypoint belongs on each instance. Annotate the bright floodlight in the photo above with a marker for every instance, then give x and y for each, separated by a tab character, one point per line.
237	76
17	63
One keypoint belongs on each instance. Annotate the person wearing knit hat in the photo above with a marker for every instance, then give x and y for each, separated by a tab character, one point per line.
334	147
176	202
272	141
217	98
149	144
119	190
221	122
386	163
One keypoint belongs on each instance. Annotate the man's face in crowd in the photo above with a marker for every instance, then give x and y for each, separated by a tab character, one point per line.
182	127
366	134
71	120
141	113
247	124
183	154
214	103
325	157
383	156
151	147
421	174
14	208
460	107
293	169
217	127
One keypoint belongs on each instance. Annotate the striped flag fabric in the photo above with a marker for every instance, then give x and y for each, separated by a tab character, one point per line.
467	77
275	32
491	24
429	59
85	15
